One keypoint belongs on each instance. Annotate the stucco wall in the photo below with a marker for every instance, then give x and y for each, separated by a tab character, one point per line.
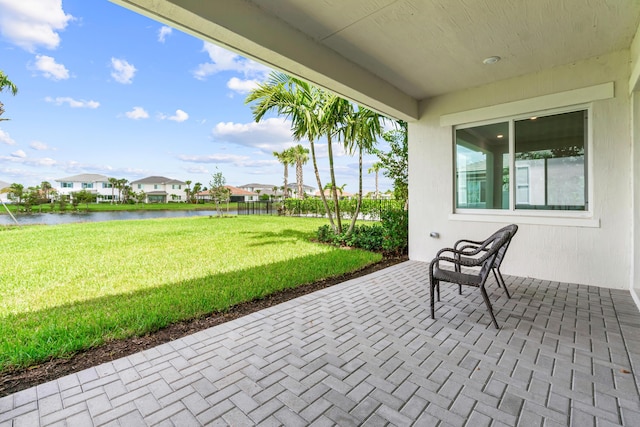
589	255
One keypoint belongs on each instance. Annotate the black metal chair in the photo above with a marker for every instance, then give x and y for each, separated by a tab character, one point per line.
478	261
473	244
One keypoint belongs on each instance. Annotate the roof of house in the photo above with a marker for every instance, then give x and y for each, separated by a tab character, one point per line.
295	185
157	180
4	184
254	185
235	191
85	177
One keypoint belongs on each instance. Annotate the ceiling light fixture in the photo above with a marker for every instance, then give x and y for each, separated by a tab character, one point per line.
491	60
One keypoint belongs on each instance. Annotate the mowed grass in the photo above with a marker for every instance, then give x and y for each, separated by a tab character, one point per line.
70	287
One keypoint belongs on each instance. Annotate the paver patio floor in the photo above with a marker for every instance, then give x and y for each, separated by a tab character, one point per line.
366	352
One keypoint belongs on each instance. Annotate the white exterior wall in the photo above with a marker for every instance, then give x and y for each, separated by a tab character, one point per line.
148	188
595	250
77	186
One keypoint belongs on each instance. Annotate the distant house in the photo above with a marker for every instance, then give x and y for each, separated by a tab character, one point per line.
293	189
4	196
341	194
94	183
159	189
237	195
263	189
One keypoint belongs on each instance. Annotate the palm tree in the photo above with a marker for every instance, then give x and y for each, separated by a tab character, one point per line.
113	182
197	187
286	159
375	168
120	185
188	190
16	191
302	103
46	188
359	133
5	83
334	112
300	156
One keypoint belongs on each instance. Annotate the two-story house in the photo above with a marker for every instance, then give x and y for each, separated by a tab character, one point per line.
160	189
91	182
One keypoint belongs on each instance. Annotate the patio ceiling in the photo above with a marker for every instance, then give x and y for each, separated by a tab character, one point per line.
389	54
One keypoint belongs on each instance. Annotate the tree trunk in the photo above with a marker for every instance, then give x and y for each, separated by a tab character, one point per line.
299	180
377	193
322	196
286	179
359	201
334	189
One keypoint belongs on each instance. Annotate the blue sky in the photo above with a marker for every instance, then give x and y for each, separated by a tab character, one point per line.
105	90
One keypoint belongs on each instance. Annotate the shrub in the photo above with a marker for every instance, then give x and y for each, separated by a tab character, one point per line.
396	231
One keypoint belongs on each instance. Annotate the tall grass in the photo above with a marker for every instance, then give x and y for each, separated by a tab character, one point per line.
69	287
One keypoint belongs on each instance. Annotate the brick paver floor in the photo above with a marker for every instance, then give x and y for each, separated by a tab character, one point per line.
366	352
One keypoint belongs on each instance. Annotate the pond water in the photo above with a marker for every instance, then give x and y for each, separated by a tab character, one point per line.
67	218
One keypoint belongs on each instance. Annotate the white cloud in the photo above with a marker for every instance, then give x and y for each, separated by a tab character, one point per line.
137	113
223	60
39	146
21	157
234	159
49	68
197	170
213	158
73	166
242	86
5	138
73	103
32	23
123	72
179	116
268	135
163	32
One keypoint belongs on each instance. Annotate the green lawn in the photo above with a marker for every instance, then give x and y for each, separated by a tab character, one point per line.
69	287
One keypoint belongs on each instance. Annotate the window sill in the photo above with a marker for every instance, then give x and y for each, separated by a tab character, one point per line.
518	218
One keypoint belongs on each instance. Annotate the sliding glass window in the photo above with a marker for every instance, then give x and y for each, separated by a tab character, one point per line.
545	156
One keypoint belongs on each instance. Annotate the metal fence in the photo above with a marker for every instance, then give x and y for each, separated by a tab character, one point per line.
369	210
258	208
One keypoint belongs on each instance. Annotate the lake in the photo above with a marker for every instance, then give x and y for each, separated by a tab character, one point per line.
67	218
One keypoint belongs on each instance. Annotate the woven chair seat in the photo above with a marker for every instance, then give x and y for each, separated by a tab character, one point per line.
452	276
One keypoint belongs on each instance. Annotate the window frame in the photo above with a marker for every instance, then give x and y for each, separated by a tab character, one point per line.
497	214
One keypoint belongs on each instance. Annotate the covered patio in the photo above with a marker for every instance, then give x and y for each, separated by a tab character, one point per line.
366	352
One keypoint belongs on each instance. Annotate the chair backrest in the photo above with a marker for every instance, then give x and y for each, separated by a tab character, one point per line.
512	230
496	242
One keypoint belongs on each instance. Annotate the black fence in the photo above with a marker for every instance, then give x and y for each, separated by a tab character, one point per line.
369	210
259	208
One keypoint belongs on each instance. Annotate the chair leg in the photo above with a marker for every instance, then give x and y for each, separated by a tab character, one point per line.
496	276
501	282
433	286
488	304
438	287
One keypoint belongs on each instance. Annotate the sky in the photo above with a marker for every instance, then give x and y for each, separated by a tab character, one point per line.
102	89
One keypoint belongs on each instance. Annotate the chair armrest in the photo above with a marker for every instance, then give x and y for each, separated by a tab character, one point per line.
468	243
456	259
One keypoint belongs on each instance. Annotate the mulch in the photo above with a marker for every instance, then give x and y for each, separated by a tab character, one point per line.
12	381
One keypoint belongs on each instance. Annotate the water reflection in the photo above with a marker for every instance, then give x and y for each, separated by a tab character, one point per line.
67	218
